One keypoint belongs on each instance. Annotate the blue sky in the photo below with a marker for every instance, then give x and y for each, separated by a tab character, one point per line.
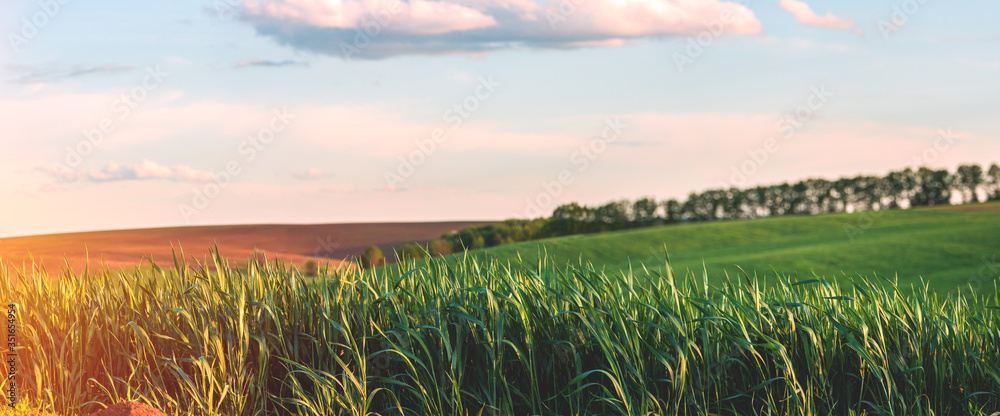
212	75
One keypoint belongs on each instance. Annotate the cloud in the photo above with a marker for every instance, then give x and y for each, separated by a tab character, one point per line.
32	75
78	71
311	174
147	169
267	63
373	29
805	15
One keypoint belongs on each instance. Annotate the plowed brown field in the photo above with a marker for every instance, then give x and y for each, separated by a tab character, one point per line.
290	243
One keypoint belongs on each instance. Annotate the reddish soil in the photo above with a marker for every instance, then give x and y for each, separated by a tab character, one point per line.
984	207
129	409
290	243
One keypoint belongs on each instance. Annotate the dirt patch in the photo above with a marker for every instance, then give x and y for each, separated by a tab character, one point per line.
970	208
290	243
129	409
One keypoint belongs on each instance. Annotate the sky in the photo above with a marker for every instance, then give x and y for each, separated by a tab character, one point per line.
134	114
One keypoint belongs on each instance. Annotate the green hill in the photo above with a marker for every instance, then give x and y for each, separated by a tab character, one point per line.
950	247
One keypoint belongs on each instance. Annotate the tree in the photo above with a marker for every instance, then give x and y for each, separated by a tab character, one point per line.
672	210
644	212
497	234
908	184
864	190
932	188
698	207
818	195
733	203
895	188
712	202
841	194
470	238
969	178
612	216
478	242
798	198
775	199
440	247
993	183
372	258
568	219
410	251
311	268
757	201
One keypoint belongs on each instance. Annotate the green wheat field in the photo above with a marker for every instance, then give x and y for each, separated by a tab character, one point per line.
487	333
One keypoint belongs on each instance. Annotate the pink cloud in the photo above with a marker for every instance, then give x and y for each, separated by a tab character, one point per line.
805	15
639	18
393	27
415	16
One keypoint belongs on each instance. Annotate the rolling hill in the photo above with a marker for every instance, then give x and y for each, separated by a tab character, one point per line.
948	246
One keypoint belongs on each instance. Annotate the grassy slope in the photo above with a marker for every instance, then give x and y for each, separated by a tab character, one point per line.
949	247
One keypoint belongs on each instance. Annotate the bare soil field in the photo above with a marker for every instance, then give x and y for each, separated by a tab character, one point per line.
986	207
291	243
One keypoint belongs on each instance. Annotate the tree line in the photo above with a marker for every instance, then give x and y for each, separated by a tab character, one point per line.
900	189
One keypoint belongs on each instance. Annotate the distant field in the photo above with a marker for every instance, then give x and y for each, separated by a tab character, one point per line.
295	243
947	246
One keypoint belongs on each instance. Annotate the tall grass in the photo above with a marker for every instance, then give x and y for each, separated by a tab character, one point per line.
490	338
